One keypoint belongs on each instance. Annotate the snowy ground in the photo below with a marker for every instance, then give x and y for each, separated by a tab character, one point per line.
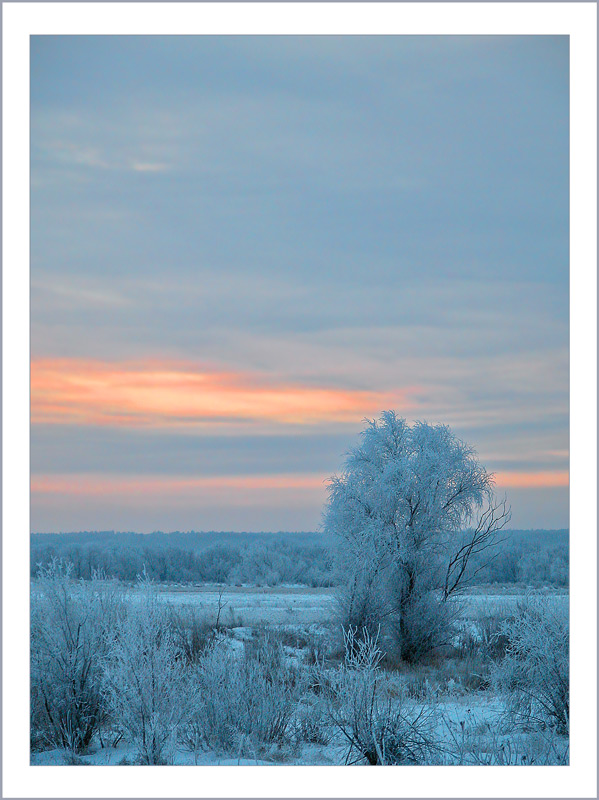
256	605
242	606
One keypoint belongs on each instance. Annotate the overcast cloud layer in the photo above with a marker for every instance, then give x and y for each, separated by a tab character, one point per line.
241	246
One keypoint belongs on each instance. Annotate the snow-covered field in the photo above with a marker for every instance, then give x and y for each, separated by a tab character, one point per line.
242	606
280	605
466	716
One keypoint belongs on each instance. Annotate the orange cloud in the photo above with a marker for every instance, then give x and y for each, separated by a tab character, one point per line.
148	394
100	485
532	480
154	486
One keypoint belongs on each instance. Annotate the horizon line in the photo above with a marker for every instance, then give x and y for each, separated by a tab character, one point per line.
271	532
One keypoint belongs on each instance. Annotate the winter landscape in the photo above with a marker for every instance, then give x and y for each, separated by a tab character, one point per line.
299	401
274	685
396	662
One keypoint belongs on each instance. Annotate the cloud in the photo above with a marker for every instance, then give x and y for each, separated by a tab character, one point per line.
532	480
93	484
72	153
100	484
83	294
159	394
146	166
75	155
146	503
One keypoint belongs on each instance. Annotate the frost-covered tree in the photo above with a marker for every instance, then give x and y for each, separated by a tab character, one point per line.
410	508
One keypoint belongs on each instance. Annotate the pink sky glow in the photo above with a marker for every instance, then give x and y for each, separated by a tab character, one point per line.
166	394
115	485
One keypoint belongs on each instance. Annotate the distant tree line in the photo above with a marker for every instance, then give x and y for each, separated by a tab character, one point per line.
528	557
265	560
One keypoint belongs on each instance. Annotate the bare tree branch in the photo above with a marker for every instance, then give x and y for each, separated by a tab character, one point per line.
485	536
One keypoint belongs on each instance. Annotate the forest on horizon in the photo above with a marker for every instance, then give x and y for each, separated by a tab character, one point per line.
532	557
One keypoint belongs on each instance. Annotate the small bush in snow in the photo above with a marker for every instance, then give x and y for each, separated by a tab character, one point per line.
490	743
145	680
379	726
192	634
68	619
313	723
534	675
244	701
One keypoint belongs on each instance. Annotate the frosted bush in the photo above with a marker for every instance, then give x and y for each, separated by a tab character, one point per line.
244	701
534	675
192	633
313	723
68	619
361	601
422	625
145	680
379	726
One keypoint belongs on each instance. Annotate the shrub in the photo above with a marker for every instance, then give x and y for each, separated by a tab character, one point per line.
244	701
422	625
313	723
379	726
68	620
489	744
534	675
361	602
191	634
145	682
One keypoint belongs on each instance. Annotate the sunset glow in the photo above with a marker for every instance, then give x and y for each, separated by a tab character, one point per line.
116	485
157	394
532	480
140	485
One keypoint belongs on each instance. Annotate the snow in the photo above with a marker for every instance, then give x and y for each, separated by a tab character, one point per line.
247	607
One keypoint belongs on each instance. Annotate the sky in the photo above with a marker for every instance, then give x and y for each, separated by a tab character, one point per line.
242	247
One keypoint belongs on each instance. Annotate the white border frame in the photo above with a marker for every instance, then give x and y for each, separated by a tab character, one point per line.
578	20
